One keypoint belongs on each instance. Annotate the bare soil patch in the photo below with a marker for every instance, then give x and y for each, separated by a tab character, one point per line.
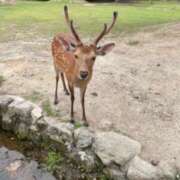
135	90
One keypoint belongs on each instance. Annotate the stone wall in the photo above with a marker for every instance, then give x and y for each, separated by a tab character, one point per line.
116	153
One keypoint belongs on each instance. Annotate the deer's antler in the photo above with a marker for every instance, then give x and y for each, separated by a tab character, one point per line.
103	32
70	25
106	30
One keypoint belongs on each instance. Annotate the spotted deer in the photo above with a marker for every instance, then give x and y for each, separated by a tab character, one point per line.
74	60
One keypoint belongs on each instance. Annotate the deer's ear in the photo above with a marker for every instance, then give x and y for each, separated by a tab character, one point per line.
68	46
72	46
63	42
103	50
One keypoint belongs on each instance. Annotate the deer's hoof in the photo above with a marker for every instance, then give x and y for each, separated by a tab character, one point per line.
67	93
86	123
56	102
72	121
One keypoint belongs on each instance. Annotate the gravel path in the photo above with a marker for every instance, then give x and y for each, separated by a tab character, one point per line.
134	90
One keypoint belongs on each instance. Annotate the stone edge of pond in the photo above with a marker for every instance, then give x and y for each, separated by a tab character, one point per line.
117	154
14	165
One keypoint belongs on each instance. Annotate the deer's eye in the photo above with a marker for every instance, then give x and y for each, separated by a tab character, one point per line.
76	56
93	58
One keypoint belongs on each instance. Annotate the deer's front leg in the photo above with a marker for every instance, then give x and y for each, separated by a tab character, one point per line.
71	88
83	91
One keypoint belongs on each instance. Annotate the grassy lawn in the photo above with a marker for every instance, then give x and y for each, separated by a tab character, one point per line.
32	18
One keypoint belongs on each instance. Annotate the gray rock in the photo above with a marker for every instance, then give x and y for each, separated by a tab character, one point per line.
59	131
33	129
167	170
13	166
6	157
83	137
41	124
30	172
4	102
112	147
87	159
18	111
22	109
142	170
36	113
3	153
116	174
6	122
16	98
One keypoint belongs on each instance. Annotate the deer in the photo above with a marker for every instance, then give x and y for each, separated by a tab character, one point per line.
74	61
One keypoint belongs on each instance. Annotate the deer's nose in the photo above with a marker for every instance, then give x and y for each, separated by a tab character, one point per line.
83	74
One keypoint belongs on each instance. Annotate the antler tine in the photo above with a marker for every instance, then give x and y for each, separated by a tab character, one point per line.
75	33
115	14
70	24
106	30
66	15
101	35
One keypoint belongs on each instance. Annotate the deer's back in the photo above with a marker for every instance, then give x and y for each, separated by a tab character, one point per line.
62	56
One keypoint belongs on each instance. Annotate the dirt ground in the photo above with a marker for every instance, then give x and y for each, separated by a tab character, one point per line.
137	86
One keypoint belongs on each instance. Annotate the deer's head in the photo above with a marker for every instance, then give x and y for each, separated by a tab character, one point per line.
85	55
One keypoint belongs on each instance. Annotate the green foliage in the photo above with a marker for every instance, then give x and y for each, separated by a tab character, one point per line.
31	18
46	105
34	96
21	135
77	125
53	159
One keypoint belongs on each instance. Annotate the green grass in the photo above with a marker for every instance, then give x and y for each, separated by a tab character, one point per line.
34	96
32	18
77	125
53	160
48	109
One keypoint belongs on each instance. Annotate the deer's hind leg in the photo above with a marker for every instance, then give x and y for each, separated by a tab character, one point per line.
56	88
64	84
